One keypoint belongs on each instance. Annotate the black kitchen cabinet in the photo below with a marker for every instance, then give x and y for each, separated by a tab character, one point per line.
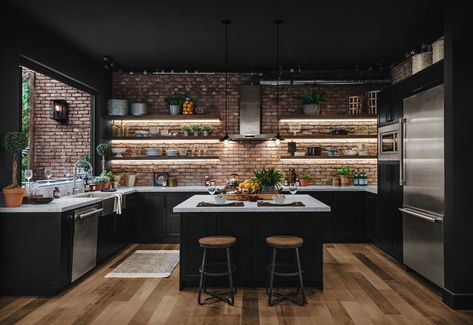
371	216
104	238
173	220
425	79
150	221
388	224
390	104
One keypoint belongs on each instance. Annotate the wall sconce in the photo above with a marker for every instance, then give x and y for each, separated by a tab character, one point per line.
59	110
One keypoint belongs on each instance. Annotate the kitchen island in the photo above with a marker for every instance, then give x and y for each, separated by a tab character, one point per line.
251	224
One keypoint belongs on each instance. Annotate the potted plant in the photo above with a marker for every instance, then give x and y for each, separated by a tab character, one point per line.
207	129
100	182
174	104
14	143
103	150
304	178
187	129
345	173
108	175
269	178
311	102
196	129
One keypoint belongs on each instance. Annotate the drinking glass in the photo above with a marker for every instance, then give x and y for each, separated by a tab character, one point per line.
293	189
48	172
212	189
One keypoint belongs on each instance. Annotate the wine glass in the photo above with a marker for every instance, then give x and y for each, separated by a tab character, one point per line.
28	176
67	172
48	172
212	189
293	189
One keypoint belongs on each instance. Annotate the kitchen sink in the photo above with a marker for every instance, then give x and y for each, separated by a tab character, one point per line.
92	195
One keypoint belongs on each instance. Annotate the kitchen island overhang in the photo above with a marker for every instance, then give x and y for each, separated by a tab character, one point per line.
251	224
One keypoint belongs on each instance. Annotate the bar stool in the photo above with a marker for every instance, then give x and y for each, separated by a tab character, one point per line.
285	242
217	242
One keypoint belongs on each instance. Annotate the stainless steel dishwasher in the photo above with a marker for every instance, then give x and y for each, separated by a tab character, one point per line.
84	249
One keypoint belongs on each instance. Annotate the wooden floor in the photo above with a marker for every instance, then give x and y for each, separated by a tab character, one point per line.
362	286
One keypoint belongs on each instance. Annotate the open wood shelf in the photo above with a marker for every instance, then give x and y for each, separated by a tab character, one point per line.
329	157
329	117
329	136
210	118
177	137
165	158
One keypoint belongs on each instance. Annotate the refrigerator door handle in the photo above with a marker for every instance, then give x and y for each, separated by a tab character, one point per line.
402	167
422	215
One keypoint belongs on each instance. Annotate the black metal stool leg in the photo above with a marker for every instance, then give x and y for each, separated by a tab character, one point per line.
202	277
271	278
301	283
230	277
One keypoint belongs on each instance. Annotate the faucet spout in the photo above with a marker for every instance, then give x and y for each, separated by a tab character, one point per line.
75	190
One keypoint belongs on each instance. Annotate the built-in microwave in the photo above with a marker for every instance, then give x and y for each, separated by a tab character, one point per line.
389	142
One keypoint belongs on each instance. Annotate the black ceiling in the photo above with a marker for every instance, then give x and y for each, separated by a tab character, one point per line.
189	34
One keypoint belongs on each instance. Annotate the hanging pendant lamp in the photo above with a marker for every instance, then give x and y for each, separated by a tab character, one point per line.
226	139
277	138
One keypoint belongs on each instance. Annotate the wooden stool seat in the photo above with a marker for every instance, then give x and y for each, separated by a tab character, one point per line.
284	241
217	241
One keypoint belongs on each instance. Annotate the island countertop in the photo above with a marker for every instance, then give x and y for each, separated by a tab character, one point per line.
311	205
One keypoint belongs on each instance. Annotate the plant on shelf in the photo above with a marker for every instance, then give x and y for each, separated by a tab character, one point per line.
311	102
14	143
207	129
174	104
304	178
270	179
103	149
196	129
187	129
345	173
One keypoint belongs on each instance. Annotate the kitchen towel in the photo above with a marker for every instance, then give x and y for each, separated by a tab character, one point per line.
117	203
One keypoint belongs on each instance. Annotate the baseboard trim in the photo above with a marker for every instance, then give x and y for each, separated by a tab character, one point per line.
459	301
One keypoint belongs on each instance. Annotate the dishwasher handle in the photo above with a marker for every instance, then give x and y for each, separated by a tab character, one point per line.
88	214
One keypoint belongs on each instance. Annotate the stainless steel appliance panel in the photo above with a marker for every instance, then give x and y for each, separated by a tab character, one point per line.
423	151
250	110
389	142
423	245
84	251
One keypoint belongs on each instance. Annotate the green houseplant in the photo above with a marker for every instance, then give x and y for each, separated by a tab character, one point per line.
103	150
270	179
174	104
14	143
345	173
196	129
187	129
304	178
207	129
311	102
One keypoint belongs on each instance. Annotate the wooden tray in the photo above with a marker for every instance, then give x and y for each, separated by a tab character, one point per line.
246	197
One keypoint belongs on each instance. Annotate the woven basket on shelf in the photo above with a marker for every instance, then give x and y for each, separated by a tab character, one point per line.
355	104
420	61
437	50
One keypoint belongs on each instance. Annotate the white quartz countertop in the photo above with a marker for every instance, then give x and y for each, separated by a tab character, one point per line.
68	203
311	205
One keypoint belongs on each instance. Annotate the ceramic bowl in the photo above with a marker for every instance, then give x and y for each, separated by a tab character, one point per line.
299	153
220	199
279	199
118	152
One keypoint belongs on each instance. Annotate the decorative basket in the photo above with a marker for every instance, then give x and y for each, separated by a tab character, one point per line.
373	102
437	50
420	61
355	104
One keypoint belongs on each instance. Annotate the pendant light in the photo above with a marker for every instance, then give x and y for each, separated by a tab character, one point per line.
226	139
277	138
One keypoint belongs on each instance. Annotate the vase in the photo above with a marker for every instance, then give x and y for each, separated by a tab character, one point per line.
13	196
174	109
268	189
311	109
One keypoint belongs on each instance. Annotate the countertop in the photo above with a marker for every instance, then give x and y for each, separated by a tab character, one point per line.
311	205
68	202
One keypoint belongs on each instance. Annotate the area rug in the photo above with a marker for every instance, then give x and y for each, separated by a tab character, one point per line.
147	264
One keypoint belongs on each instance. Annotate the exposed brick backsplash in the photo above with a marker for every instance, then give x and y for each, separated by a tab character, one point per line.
55	144
239	157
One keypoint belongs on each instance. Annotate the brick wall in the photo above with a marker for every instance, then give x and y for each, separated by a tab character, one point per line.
55	144
239	157
402	71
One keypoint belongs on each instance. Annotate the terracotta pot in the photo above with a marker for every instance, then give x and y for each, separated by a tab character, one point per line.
13	196
304	182
106	186
345	180
98	186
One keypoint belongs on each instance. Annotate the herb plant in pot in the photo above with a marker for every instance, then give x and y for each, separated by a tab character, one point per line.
187	129
196	129
304	179
345	173
311	102
269	178
207	129
174	104
103	150
14	143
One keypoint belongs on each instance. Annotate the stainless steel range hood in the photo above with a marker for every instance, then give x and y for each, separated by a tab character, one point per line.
250	115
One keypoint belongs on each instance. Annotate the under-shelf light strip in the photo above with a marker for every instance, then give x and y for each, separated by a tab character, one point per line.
154	141
332	140
330	159
162	161
300	120
167	121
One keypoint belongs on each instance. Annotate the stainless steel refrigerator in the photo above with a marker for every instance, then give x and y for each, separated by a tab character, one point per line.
422	178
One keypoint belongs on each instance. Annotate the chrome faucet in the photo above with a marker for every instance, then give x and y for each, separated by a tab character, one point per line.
80	161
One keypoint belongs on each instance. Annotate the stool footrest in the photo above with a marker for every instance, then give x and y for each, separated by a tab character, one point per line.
223	264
